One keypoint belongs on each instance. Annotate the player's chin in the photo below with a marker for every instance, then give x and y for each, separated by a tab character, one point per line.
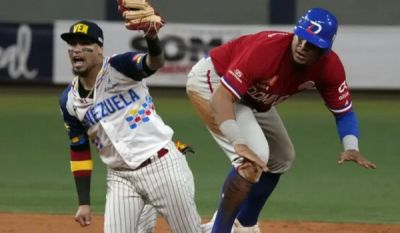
303	59
79	71
300	60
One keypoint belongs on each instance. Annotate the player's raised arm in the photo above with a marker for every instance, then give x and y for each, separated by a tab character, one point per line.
222	106
155	58
141	16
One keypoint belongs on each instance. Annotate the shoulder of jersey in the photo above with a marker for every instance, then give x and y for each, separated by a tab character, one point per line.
276	37
275	40
276	34
331	58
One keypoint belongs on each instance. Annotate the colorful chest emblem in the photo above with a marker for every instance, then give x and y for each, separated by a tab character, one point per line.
140	114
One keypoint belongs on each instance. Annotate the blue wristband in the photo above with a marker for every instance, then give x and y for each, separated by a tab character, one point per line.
347	124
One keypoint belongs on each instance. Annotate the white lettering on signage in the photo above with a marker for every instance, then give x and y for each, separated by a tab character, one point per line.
15	57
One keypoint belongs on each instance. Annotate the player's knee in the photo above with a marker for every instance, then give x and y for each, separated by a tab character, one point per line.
249	171
282	160
263	153
289	153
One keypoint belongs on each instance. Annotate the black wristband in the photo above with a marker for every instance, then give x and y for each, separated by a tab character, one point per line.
154	46
83	188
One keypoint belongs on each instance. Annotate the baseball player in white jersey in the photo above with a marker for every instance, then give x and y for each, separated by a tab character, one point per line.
108	103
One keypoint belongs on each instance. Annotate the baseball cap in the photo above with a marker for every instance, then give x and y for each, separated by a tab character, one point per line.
84	29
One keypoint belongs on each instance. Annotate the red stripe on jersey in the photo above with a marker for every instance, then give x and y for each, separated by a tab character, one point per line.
80	155
82	173
209	81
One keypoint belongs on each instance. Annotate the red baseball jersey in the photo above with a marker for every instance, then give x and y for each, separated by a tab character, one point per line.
259	68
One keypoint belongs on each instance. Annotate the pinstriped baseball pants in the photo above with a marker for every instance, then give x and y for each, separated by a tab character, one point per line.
166	184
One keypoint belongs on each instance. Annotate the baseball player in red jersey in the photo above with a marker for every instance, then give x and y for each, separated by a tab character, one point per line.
109	104
234	90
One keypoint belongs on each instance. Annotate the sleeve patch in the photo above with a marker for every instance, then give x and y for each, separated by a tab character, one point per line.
78	140
138	58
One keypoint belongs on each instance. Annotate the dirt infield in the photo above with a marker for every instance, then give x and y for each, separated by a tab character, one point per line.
34	223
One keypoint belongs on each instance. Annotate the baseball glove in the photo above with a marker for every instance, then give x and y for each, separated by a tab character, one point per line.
140	15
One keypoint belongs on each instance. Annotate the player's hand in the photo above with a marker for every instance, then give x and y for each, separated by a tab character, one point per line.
83	215
355	156
244	151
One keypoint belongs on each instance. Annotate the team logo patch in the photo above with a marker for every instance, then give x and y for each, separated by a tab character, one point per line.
78	140
81	28
314	28
138	58
141	114
237	74
75	139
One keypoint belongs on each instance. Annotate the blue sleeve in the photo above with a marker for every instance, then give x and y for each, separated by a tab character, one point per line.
132	65
75	128
347	124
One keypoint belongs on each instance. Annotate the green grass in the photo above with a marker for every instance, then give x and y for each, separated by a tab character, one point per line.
35	176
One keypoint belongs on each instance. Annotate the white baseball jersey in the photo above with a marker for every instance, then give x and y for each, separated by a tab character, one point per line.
144	165
120	119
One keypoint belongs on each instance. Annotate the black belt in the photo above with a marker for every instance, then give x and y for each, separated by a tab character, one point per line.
161	153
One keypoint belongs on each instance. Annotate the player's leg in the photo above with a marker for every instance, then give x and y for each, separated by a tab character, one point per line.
123	204
147	220
260	192
168	185
202	81
282	153
238	183
280	160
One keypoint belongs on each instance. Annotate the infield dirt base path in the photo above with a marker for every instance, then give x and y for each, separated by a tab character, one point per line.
36	223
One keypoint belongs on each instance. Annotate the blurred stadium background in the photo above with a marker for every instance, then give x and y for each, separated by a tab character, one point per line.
34	167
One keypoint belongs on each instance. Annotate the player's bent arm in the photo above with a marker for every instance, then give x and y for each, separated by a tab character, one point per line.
155	58
136	65
222	107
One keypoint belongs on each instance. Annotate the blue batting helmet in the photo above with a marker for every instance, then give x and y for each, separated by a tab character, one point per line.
317	26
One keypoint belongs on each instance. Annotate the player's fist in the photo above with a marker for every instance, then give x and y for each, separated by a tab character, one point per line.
83	215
